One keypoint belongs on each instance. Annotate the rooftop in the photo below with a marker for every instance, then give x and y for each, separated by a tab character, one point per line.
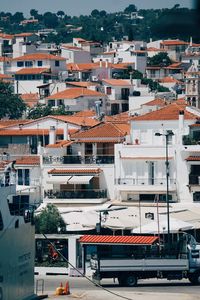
74	93
38	56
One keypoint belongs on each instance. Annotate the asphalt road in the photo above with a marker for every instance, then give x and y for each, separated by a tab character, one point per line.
78	284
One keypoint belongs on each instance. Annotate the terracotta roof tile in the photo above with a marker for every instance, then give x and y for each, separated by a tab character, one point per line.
32	71
173	43
6	36
156	102
84	84
60	144
27	132
169	112
38	56
78	120
107	130
7	123
92	66
29	96
170	80
85	113
24	34
5	59
28	160
110	239
74	93
75	171
193	158
117	82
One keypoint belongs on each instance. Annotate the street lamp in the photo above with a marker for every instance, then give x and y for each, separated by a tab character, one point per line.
168	134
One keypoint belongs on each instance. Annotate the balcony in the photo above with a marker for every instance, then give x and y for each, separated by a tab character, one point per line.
76	159
76	196
145	184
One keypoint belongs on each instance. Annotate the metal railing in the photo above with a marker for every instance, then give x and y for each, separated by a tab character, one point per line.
144	181
80	194
77	159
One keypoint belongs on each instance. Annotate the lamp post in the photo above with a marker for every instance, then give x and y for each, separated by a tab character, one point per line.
168	134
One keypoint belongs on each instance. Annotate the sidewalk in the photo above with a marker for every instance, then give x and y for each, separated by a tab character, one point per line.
100	295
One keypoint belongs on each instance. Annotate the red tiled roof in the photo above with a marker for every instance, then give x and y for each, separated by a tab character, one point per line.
173	43
6	36
75	171
117	82
110	239
193	158
107	130
29	96
60	144
28	160
24	34
156	102
7	123
169	112
85	113
27	132
74	93
84	84
32	71
38	56
5	59
169	80
91	66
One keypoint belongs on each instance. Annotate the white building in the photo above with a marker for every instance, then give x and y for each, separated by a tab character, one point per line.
75	54
141	165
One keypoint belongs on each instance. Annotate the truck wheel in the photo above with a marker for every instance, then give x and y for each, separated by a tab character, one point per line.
130	280
194	278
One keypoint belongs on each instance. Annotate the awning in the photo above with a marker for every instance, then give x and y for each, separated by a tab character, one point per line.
80	179
58	179
120	240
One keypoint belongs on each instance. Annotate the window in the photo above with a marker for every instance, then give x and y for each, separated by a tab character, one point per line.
39	63
28	63
57	63
108	90
23	177
60	102
20	64
51	103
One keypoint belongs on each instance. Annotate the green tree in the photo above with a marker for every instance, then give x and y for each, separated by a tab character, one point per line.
160	59
49	221
95	13
12	106
40	111
131	8
50	20
34	13
61	14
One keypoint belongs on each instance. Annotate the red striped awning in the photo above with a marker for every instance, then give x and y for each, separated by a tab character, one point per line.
110	239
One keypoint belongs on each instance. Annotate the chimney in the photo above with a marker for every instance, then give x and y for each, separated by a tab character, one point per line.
191	41
66	131
52	135
100	63
181	123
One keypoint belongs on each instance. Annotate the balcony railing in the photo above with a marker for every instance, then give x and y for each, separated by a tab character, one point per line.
81	194
144	181
77	159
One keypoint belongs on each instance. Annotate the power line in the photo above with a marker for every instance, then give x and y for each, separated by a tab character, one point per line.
83	275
